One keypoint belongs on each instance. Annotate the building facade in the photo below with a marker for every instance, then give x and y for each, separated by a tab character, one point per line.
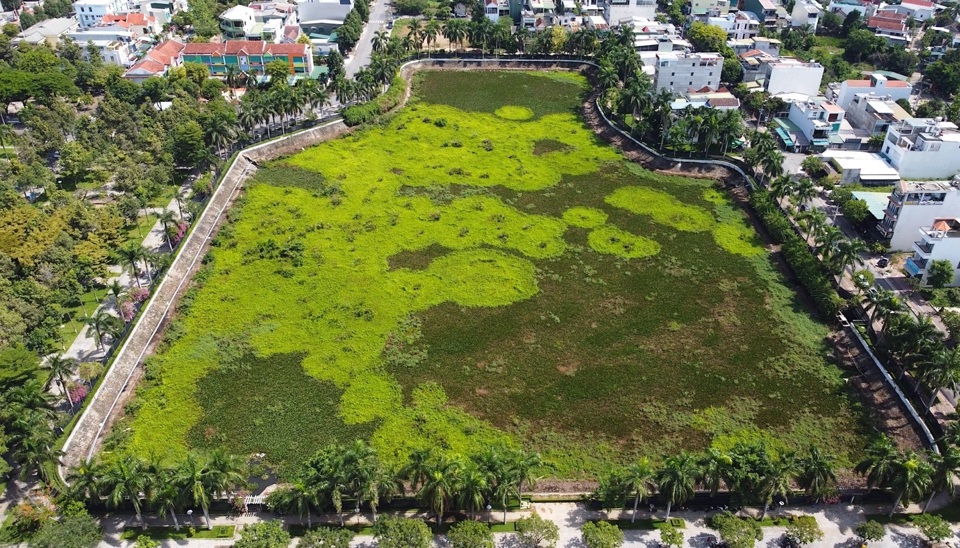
817	121
793	76
914	205
681	72
90	12
249	57
806	12
842	93
322	17
923	148
117	45
938	242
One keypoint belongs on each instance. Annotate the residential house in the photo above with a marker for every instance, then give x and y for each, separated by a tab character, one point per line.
537	14
156	62
117	45
720	99
938	242
709	8
322	17
741	25
873	114
843	7
249	57
161	10
138	23
616	10
890	25
258	21
771	14
680	72
809	125
789	75
754	64
653	36
90	12
920	10
842	93
495	9
49	31
806	12
770	46
916	204
859	167
923	148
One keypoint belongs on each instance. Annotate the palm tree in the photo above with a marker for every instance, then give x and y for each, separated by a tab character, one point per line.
911	479
607	77
418	465
34	443
472	489
440	485
638	480
714	467
946	471
85	480
132	253
60	366
123	480
231	78
300	498
501	476
815	473
804	192
813	221
191	478
781	187
942	371
380	40
523	465
223	473
731	127
363	471
677	480
103	323
167	220
848	255
777	482
167	494
431	31
879	463
328	474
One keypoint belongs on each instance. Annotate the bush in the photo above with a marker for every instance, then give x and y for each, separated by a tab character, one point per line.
370	111
393	532
671	536
871	531
933	527
269	534
602	534
736	532
804	530
470	534
536	532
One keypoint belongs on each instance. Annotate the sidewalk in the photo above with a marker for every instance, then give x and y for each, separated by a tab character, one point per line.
838	523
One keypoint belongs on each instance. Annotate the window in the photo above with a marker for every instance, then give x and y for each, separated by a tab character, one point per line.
673	74
690	84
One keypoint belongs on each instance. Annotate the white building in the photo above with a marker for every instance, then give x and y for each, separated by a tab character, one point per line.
817	120
258	21
49	31
90	12
681	72
616	10
844	7
806	12
914	205
923	148
495	9
921	10
161	10
938	242
842	93
793	76
117	45
741	25
321	17
709	8
857	167
874	114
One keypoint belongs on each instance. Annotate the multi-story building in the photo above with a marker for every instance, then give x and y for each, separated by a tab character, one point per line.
770	14
754	64
770	46
742	25
842	93
709	8
913	205
890	25
793	76
137	23
90	12
860	167
258	21
874	114
681	72
616	10
496	9
923	148
49	31
157	62
161	10
249	56
806	12
117	45
844	7
322	17
815	120
920	10
938	242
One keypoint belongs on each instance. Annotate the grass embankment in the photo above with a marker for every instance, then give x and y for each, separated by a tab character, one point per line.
482	270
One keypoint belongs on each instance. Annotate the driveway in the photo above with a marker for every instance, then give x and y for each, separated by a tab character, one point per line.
360	57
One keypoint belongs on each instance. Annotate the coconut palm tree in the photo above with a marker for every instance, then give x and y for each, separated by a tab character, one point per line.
815	473
946	468
942	370
168	494
879	463
440	485
777	482
714	470
299	497
380	40
59	367
103	323
328	474
847	255
33	443
472	489
501	476
911	478
191	478
417	467
677	480
731	127
803	192
125	480
131	253
167	220
638	480
431	31
813	221
85	480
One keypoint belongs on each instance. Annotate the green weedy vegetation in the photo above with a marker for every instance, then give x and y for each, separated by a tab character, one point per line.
449	280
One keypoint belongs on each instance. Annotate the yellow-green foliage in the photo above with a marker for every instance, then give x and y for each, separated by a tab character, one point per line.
664	208
512	112
315	263
613	241
585	217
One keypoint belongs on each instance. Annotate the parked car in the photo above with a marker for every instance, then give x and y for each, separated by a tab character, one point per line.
882	262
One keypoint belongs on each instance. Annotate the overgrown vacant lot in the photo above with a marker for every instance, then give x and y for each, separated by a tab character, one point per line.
482	270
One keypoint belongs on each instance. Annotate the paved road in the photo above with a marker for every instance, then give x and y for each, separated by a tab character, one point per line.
379	15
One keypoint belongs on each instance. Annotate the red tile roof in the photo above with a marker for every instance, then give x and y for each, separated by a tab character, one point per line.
287	49
897	84
858	83
246	47
149	66
886	24
920	3
724	101
202	48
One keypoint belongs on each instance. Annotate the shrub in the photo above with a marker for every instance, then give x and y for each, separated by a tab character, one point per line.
933	527
602	534
671	536
871	531
393	532
536	532
370	111
470	534
804	530
736	532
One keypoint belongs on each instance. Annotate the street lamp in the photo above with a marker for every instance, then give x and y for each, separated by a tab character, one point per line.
190	515
489	515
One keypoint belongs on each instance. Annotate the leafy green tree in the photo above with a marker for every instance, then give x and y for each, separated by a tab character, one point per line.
470	534
815	473
394	532
268	534
911	479
187	144
804	531
278	71
707	38
856	211
144	541
75	531
326	537
536	532
602	534
871	531
861	44
637	480
671	536
736	532
940	274
935	528
677	480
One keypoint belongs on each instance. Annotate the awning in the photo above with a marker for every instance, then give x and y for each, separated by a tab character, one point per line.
912	267
787	141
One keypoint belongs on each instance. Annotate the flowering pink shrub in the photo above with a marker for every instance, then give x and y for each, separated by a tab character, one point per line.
77	393
127	310
139	294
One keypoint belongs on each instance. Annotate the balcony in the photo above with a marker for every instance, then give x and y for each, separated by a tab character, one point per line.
916	266
923	248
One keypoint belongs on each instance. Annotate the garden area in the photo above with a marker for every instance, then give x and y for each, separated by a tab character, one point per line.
481	271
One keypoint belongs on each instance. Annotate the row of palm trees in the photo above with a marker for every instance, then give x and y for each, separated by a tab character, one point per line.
910	476
195	481
338	474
